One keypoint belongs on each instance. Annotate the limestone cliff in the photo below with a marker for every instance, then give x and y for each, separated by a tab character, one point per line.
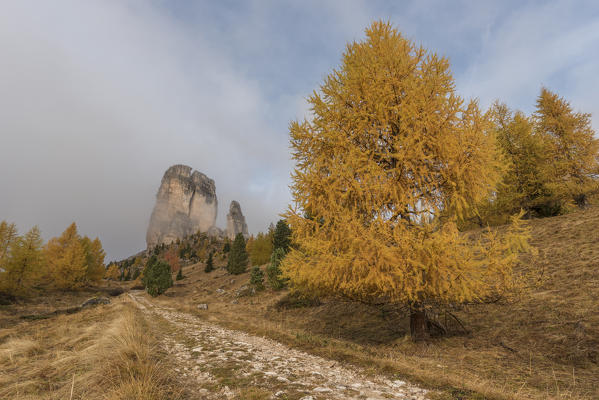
236	221
186	203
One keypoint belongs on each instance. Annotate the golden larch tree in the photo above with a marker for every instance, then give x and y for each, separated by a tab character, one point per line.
260	250
24	266
94	259
389	161
8	234
66	259
524	185
574	150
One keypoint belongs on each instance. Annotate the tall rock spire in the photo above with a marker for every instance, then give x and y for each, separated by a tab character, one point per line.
236	221
185	204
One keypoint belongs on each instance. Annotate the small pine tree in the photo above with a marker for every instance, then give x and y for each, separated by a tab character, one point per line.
135	274
157	276
257	278
128	275
273	270
209	263
238	256
282	236
227	246
180	274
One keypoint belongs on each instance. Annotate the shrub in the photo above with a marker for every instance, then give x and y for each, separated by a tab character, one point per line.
180	274
157	276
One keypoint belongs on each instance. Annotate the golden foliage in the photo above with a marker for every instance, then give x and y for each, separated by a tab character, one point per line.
390	161
24	264
94	259
113	272
259	249
66	258
573	150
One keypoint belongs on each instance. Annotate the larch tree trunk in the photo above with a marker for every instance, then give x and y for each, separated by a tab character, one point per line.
418	324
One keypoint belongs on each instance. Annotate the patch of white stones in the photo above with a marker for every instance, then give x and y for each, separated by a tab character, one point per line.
269	364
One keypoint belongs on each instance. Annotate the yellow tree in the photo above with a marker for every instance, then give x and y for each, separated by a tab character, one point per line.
524	185
94	259
113	272
390	160
574	151
260	250
23	268
66	260
8	234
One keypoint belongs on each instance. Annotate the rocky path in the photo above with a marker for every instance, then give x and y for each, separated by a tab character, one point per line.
228	364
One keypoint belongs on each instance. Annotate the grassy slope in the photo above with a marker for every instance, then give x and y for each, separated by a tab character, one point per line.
543	346
98	353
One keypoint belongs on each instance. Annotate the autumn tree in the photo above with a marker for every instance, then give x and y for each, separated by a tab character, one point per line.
94	259
66	258
24	264
524	181
390	161
8	234
260	250
171	257
573	148
238	256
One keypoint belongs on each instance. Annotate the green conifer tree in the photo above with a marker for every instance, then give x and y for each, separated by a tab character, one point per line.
238	256
209	263
282	236
257	278
157	276
273	270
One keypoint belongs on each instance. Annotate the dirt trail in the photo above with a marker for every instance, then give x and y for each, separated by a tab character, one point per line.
225	363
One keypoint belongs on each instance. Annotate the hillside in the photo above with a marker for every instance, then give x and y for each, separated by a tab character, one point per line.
543	345
540	346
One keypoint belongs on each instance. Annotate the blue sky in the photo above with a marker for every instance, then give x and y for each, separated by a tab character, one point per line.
98	98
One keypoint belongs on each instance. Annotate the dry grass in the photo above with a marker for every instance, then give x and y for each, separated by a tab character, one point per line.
107	352
543	346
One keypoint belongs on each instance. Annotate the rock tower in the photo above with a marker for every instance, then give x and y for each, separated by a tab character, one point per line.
185	204
236	221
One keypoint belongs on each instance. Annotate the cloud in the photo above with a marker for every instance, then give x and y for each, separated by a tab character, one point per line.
99	98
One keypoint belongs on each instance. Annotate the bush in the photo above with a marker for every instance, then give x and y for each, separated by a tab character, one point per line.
238	256
257	278
157	276
180	274
273	270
